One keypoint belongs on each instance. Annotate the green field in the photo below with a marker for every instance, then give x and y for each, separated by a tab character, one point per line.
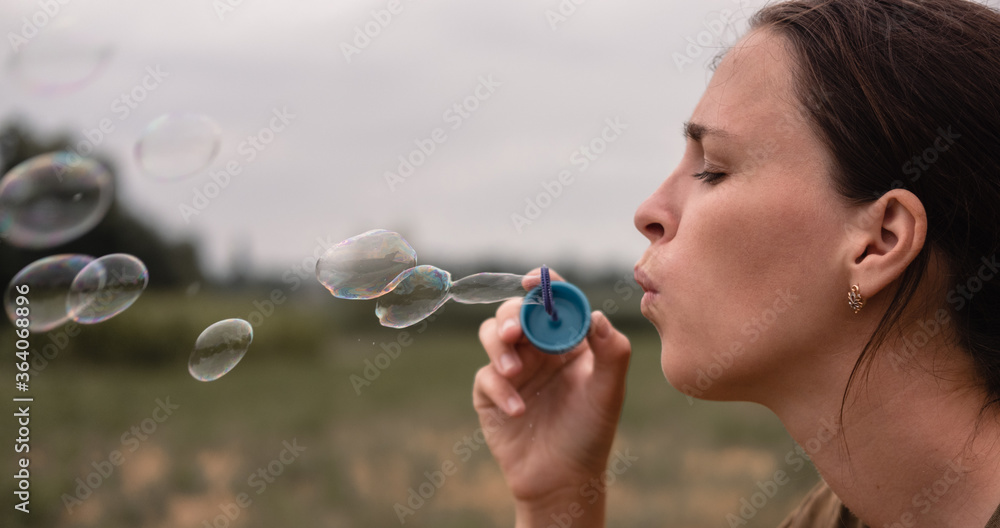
362	453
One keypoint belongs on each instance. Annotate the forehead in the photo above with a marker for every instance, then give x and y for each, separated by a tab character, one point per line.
752	89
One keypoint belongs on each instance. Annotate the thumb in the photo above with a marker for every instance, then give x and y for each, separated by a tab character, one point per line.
611	350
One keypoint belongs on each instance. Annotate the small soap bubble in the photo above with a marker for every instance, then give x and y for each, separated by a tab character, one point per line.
487	288
414	295
106	287
61	57
53	198
364	266
178	145
219	348
48	282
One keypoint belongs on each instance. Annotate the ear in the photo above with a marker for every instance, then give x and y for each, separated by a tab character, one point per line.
892	231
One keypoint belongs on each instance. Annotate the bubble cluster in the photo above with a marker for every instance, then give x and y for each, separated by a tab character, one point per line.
106	287
177	145
364	266
219	348
53	198
48	282
381	264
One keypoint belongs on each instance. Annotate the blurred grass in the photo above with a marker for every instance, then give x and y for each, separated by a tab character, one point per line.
363	452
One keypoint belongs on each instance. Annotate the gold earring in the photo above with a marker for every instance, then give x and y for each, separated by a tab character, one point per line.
854	299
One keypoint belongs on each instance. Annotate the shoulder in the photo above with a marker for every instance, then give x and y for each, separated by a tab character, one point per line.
821	508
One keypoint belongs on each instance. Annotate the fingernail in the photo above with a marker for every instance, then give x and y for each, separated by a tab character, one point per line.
507	362
509	323
513	405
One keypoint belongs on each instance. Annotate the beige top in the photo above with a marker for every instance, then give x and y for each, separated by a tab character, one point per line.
822	509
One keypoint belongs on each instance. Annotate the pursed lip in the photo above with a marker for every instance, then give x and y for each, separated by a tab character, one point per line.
643	280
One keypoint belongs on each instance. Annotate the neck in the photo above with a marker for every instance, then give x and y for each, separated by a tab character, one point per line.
912	448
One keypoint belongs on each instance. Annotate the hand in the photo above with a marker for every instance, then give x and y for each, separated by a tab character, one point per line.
558	412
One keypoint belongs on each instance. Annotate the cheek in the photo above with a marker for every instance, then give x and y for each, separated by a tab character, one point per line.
746	268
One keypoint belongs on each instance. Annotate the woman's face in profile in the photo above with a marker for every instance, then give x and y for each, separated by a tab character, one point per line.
747	268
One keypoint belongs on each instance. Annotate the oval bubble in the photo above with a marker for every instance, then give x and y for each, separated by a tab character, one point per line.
178	145
219	348
61	57
413	296
53	198
48	281
363	266
106	287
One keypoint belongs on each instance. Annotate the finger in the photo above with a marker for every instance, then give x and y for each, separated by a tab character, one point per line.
493	390
611	348
503	355
510	310
534	278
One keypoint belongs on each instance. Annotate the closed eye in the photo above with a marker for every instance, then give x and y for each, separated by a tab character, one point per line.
709	177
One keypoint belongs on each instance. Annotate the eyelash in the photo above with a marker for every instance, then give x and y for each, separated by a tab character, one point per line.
709	177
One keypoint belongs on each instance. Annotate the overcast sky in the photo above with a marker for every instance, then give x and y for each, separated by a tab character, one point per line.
548	83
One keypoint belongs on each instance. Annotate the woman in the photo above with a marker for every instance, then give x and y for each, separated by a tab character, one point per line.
845	157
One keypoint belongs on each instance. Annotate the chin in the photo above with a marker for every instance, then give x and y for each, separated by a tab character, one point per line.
695	372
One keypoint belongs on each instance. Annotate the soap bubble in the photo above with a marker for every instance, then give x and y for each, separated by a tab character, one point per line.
219	348
61	57
53	198
177	145
106	287
364	266
412	296
48	282
487	288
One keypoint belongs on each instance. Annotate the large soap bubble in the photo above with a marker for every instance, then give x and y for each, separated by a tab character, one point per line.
363	266
62	57
219	348
48	281
178	145
53	198
106	287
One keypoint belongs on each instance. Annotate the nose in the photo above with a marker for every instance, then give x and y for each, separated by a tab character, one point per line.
656	216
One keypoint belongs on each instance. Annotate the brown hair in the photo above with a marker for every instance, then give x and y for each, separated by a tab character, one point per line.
906	93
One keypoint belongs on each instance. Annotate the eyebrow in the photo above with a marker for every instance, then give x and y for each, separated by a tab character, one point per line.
697	131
